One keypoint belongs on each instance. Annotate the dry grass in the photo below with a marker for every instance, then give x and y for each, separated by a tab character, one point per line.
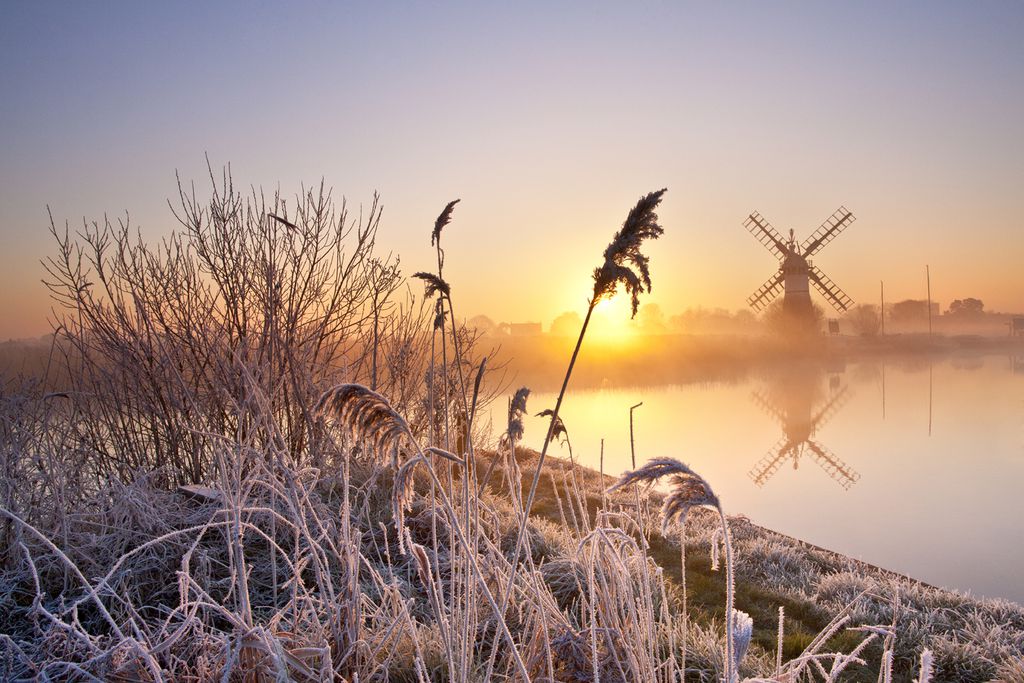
346	533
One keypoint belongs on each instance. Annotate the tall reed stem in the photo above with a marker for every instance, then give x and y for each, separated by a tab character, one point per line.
456	527
540	462
682	577
730	673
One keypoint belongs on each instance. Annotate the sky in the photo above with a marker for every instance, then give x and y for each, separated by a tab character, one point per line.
548	120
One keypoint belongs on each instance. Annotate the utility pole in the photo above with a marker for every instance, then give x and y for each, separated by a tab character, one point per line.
928	276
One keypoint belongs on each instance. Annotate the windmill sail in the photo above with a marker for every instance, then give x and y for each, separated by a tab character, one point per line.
766	234
766	292
796	273
830	290
799	424
767	466
828	231
833	466
768	407
837	401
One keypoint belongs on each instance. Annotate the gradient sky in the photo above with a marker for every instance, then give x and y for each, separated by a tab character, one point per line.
549	122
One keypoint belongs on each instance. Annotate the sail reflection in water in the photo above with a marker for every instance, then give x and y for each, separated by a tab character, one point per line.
889	503
793	402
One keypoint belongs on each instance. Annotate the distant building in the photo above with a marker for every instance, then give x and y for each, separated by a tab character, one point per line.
908	310
524	329
1017	326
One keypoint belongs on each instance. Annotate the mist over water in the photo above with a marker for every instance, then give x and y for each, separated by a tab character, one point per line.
910	463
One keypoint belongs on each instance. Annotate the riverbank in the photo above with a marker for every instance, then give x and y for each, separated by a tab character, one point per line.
973	639
302	574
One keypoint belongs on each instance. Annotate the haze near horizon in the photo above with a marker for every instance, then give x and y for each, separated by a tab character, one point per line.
545	121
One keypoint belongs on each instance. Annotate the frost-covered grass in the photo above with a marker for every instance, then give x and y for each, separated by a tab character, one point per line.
341	520
166	568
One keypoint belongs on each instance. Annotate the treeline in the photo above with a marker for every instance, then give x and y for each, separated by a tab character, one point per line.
963	316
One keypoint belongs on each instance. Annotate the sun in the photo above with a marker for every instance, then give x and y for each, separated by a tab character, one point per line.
611	324
616	309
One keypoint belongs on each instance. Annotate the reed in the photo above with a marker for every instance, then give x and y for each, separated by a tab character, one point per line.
624	251
367	414
688	490
334	527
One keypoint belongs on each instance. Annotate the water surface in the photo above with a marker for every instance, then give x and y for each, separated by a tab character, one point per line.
915	465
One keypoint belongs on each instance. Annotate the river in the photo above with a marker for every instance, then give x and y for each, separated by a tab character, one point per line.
913	464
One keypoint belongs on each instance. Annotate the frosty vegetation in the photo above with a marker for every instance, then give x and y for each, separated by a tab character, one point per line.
256	455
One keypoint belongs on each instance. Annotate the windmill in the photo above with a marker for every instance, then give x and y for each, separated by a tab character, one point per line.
796	271
800	422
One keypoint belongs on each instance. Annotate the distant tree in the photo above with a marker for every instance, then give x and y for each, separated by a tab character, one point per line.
967	307
865	319
689	321
745	318
567	324
786	324
713	321
909	310
650	319
483	325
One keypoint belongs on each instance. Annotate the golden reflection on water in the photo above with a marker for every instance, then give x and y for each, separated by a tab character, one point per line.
910	464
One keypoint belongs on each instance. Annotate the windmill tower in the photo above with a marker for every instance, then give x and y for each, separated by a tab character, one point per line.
796	271
800	423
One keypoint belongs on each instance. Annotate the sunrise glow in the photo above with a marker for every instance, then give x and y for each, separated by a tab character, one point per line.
524	342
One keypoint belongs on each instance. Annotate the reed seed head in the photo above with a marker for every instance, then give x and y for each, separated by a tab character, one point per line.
434	284
743	631
650	473
444	219
623	254
402	492
516	412
688	489
438	313
558	430
422	562
925	675
366	415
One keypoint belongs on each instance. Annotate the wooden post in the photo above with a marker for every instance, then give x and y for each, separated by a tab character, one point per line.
632	455
632	448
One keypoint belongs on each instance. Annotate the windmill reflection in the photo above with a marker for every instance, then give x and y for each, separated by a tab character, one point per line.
794	401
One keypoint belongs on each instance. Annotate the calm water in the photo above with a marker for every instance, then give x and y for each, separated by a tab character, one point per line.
914	466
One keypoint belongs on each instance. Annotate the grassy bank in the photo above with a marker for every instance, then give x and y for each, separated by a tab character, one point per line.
257	462
147	583
973	639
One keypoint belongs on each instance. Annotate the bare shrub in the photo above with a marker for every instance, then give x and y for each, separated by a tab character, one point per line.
339	528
